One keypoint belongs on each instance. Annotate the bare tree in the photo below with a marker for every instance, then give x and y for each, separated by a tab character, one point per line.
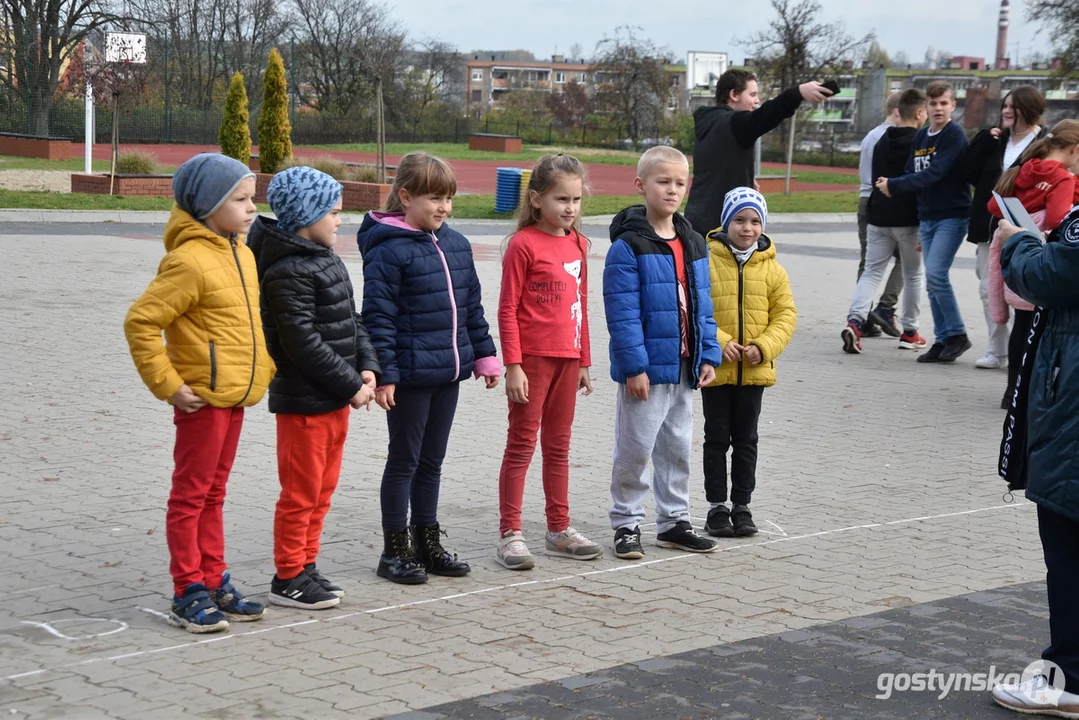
38	38
571	105
1061	18
340	43
251	28
799	45
433	74
630	80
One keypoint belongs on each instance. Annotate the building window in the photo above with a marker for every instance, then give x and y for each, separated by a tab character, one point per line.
580	77
477	75
477	96
560	77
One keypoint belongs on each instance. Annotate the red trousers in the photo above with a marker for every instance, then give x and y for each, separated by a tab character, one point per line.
194	527
552	399
309	450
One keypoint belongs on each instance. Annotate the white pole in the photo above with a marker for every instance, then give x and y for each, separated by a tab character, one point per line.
88	135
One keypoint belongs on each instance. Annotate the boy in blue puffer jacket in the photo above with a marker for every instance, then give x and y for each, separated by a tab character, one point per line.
663	346
421	307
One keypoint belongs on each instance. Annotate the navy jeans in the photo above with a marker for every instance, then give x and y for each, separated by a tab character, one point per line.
419	425
941	240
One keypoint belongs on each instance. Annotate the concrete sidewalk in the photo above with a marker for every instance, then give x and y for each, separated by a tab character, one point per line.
154	217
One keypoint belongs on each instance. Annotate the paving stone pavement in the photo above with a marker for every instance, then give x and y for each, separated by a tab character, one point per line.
876	490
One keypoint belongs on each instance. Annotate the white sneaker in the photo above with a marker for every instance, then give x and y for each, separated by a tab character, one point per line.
989	361
512	553
1036	697
572	544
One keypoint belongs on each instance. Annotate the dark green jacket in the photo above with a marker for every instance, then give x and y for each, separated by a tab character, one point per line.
1048	276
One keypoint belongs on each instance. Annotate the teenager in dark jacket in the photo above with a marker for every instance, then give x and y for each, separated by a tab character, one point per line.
892	231
726	134
1047	275
325	367
421	304
990	153
935	173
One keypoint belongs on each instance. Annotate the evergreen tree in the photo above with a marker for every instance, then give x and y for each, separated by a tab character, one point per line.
234	136
275	142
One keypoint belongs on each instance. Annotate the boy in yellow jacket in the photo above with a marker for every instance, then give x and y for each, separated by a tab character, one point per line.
212	364
755	315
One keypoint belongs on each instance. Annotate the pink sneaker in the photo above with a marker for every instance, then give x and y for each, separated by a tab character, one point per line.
572	544
512	553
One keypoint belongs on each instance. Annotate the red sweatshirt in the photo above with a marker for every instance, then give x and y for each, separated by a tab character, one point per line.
1044	185
543	306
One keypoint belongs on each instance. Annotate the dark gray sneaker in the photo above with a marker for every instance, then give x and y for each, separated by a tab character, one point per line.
954	346
627	543
683	537
743	521
301	592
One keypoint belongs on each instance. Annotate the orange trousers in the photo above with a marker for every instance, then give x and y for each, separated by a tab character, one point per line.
309	451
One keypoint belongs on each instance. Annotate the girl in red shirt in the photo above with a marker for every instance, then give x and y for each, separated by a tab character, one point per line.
543	327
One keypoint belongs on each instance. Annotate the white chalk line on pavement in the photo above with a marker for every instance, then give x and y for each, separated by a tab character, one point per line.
510	586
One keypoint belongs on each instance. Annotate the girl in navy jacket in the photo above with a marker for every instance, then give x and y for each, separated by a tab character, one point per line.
421	306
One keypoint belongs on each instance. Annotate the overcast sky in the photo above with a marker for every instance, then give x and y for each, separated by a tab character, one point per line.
963	27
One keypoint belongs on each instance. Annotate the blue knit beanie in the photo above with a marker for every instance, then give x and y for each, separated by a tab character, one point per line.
738	200
301	196
202	184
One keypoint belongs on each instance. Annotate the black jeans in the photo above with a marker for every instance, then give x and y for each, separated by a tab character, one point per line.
730	419
1017	344
419	425
1060	544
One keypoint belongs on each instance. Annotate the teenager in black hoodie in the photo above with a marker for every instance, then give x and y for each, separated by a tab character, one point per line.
893	224
726	134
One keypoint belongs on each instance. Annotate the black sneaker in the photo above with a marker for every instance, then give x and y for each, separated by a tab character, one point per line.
955	346
683	537
301	592
324	583
627	543
932	355
743	521
884	318
870	329
718	523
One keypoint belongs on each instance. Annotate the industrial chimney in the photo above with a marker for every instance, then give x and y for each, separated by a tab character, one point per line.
1002	61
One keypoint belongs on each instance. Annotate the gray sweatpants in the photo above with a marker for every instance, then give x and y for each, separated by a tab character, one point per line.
659	429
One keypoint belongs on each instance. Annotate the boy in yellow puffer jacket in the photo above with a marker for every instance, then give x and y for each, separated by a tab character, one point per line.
755	314
211	366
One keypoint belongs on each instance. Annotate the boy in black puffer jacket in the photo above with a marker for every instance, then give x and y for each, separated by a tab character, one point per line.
325	366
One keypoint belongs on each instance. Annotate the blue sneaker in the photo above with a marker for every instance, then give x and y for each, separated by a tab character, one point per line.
231	601
196	612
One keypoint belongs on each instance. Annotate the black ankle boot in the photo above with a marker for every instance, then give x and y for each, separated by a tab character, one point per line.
431	554
397	563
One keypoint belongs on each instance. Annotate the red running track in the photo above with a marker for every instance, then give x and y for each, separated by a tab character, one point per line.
473	176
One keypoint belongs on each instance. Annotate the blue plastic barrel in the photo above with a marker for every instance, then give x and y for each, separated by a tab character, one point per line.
507	189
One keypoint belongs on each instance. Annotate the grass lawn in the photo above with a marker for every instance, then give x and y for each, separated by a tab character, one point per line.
464	206
13	162
460	151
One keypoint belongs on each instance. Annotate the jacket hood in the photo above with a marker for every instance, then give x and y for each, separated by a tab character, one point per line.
720	246
896	152
1037	171
182	228
706	117
270	242
634	220
377	227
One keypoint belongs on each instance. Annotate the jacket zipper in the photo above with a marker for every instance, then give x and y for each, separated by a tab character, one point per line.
741	328
453	308
250	318
691	317
213	367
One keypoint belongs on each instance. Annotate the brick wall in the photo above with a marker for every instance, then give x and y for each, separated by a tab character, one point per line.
356	195
35	147
128	185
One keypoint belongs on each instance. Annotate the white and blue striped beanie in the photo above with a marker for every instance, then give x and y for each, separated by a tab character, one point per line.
301	196
739	199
